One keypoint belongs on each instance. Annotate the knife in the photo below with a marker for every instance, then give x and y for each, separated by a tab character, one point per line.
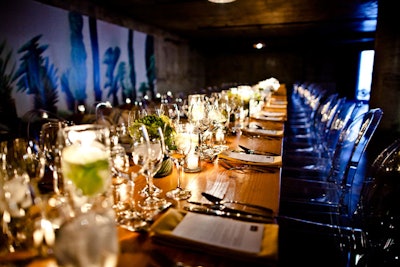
219	201
227	214
221	207
252	151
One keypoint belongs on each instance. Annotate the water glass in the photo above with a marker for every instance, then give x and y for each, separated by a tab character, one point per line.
86	163
89	236
88	240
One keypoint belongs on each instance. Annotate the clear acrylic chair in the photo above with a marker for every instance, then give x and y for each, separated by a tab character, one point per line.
318	132
378	209
318	157
366	236
320	193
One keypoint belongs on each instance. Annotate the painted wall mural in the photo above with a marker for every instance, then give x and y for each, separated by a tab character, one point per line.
55	60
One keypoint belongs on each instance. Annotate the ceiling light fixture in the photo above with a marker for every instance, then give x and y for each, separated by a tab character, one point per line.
259	45
221	1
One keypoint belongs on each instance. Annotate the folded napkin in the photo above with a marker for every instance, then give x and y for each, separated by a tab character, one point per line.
276	105
254	159
273	113
278	102
269	116
256	131
162	232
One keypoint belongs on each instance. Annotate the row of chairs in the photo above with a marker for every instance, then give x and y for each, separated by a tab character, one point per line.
323	179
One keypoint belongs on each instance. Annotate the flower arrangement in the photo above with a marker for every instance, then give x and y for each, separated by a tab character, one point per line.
152	122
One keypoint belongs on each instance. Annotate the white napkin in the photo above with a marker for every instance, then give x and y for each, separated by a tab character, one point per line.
257	131
254	159
271	105
261	116
272	113
278	102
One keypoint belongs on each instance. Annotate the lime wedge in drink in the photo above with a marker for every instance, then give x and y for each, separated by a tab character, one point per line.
87	167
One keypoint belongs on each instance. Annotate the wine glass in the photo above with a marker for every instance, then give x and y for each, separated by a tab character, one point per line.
127	215
170	110
155	153
22	167
134	121
183	146
50	144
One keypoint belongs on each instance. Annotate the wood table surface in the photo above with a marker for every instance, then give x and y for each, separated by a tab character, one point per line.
249	186
137	249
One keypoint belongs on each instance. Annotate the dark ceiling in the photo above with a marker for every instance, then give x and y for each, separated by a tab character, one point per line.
250	20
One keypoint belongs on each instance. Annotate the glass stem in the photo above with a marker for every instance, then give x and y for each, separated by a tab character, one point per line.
149	178
180	173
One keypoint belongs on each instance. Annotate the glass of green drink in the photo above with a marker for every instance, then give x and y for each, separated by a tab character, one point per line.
85	162
89	236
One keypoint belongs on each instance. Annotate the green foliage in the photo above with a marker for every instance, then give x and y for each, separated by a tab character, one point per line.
152	122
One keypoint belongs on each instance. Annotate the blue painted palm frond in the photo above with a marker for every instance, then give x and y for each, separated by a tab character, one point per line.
143	88
78	72
50	80
70	99
37	76
6	75
28	72
111	57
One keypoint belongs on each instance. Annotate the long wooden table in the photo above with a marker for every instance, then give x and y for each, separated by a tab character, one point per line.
251	187
137	249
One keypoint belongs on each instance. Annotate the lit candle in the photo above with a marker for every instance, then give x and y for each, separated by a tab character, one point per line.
192	161
219	136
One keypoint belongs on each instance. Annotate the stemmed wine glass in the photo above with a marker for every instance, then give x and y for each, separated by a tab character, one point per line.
183	143
51	144
128	216
170	110
22	167
155	156
133	122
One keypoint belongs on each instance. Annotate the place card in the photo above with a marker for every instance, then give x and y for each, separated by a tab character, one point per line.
162	232
221	232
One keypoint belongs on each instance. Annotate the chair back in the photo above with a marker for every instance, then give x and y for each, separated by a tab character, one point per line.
352	143
379	210
34	120
108	115
351	187
343	117
349	233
